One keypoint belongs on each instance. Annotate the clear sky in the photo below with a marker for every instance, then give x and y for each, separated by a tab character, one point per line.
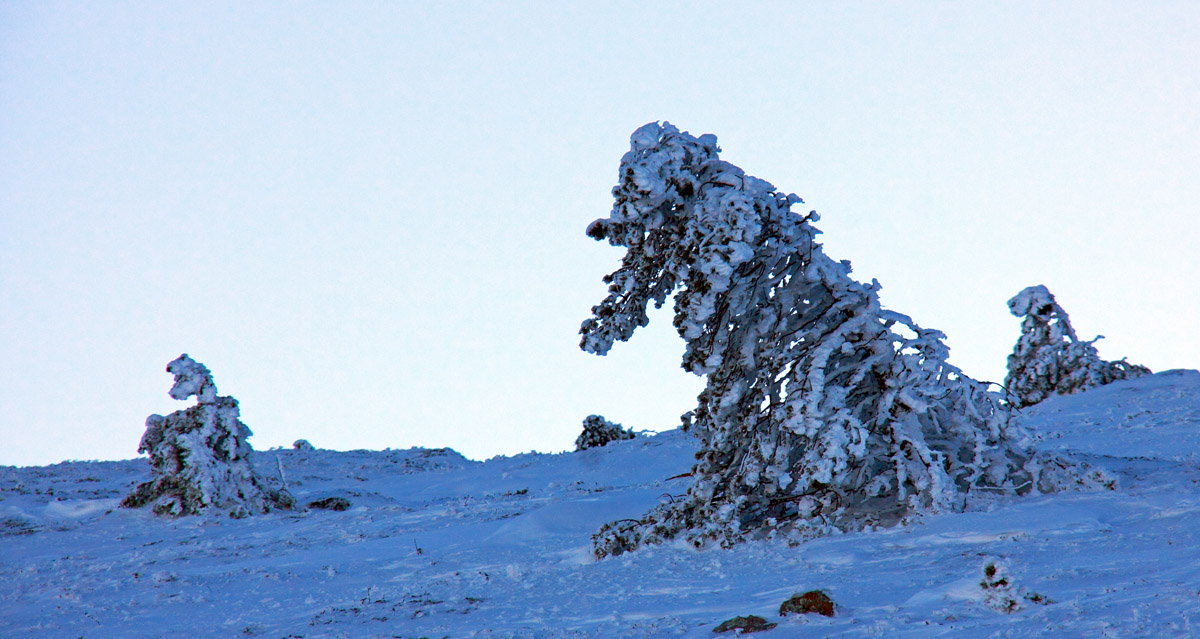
368	218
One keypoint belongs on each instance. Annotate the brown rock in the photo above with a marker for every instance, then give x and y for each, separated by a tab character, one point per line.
749	623
811	601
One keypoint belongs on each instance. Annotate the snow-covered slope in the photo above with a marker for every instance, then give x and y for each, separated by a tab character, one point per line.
434	545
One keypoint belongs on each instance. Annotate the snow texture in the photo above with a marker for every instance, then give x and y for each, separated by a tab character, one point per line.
1049	359
435	545
822	410
200	457
598	431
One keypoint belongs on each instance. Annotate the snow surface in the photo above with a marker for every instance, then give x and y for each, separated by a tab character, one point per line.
435	545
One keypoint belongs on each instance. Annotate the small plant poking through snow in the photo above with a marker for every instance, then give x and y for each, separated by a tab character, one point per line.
1049	359
598	431
199	457
822	410
1001	594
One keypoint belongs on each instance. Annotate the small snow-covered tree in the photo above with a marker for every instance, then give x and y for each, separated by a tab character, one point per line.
821	408
598	431
199	457
1049	359
1001	594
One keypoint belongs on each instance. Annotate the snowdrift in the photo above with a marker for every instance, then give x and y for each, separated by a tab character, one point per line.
435	545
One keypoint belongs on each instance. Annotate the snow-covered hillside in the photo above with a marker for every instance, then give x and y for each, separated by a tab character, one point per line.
434	545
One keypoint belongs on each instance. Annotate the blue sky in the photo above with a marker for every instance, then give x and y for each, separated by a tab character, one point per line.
367	218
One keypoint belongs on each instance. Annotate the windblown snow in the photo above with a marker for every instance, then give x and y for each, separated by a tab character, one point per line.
435	545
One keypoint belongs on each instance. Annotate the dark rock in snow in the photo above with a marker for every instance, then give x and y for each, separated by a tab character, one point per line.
812	601
749	623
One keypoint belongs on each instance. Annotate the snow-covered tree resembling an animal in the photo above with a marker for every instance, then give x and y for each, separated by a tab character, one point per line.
598	431
1049	359
199	457
821	410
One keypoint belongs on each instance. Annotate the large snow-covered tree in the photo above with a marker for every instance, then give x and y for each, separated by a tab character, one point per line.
1049	358
200	456
821	408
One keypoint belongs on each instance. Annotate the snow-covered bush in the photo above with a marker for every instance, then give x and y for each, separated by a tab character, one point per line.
1049	359
821	410
598	431
1001	594
199	457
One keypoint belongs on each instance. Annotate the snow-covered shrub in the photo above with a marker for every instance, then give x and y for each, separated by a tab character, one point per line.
1001	594
821	410
199	457
598	431
1049	359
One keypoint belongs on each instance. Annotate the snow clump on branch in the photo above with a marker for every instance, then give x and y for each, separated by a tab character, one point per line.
822	410
199	457
1049	359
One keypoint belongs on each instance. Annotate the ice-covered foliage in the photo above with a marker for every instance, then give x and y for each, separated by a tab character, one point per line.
1049	359
821	408
1001	594
199	456
598	431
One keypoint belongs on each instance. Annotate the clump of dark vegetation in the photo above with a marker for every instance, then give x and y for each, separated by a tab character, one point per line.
330	503
598	431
